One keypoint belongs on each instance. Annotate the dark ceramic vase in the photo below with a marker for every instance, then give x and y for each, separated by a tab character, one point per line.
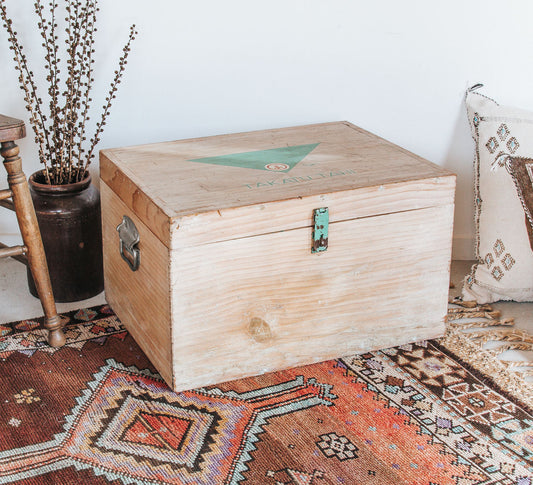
69	220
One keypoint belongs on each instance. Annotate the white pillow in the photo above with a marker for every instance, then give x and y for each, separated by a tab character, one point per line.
504	268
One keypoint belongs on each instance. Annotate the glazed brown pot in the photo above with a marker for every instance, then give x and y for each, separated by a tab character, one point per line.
69	220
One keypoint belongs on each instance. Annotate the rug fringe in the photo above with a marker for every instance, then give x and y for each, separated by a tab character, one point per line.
505	347
493	315
469	304
483	348
513	363
507	322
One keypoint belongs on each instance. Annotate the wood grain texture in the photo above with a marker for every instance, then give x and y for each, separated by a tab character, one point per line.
22	204
254	305
12	251
163	186
11	129
140	298
297	213
20	258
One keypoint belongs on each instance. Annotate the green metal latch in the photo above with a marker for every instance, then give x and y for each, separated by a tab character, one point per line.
320	230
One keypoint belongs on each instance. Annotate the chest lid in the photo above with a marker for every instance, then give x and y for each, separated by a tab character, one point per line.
204	190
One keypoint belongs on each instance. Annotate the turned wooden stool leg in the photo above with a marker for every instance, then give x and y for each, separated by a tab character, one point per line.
31	236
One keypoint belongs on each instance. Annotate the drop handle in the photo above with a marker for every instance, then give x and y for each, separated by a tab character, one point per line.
128	243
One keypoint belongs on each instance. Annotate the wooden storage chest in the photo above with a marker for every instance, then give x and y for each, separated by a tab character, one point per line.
272	249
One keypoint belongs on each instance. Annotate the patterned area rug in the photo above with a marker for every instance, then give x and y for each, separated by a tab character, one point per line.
96	412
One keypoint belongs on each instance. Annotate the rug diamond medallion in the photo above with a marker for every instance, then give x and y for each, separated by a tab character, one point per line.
129	419
158	431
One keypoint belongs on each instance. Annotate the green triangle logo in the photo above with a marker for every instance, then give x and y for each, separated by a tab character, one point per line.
273	160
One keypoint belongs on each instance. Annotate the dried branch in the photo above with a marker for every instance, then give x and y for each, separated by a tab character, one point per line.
27	84
61	136
87	62
47	29
70	110
111	95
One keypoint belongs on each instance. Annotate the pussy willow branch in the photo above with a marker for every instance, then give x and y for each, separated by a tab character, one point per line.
54	89
27	84
52	66
70	109
87	62
112	95
65	159
79	80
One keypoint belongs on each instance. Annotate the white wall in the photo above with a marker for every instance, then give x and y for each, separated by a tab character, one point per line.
398	69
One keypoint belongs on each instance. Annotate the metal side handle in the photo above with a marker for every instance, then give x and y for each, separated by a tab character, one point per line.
129	239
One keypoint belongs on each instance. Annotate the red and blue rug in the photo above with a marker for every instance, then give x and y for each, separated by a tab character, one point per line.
97	412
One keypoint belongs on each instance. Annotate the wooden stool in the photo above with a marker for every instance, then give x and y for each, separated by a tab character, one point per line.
32	252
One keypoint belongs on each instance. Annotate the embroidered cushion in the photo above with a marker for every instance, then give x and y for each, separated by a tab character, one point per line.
504	267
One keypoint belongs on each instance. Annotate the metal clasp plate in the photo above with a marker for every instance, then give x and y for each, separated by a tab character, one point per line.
320	230
129	238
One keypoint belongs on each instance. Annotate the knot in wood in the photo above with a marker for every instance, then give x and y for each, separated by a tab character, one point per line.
260	330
